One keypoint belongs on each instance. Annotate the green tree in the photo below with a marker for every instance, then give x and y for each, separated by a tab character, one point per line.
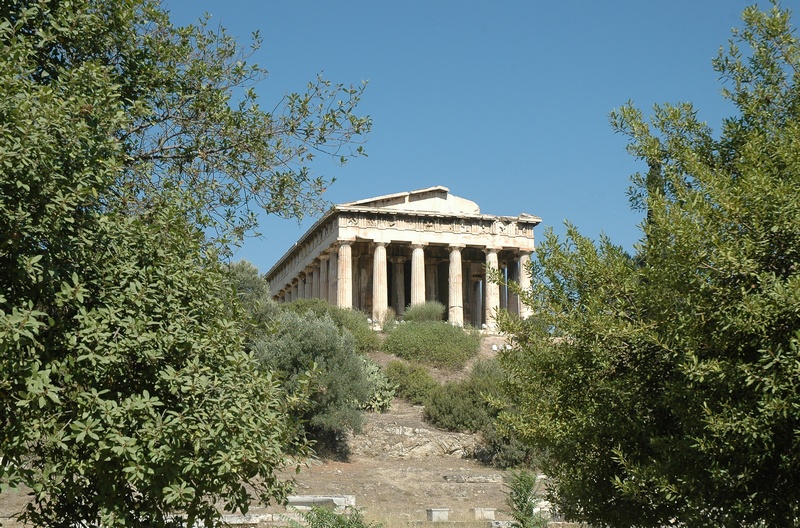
126	394
664	386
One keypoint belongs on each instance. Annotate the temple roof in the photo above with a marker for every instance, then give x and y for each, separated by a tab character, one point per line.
431	199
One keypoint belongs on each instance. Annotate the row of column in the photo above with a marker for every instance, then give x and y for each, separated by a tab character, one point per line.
331	279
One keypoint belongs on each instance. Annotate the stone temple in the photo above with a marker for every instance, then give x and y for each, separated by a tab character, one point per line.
407	248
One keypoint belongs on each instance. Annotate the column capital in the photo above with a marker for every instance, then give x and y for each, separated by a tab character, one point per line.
451	247
491	249
420	245
397	260
325	255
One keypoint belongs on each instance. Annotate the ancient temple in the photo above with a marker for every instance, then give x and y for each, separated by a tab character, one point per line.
408	248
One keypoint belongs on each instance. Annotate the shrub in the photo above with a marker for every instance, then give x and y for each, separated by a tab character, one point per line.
462	406
383	390
437	344
340	384
414	383
428	311
524	491
466	406
389	320
351	320
318	517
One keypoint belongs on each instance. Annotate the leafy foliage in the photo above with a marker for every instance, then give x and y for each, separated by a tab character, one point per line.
524	490
414	383
383	390
665	388
472	405
427	311
323	518
126	395
306	349
433	343
353	321
194	121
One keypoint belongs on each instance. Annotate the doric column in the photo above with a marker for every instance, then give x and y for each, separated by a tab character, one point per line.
417	275
399	284
323	276
492	290
296	289
513	276
524	282
315	280
379	283
455	288
503	301
431	279
309	271
344	294
333	276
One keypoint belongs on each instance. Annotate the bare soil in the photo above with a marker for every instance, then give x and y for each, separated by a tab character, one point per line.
397	490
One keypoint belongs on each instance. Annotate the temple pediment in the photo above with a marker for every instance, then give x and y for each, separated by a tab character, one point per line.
432	199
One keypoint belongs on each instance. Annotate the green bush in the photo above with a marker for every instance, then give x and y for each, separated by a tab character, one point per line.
414	383
428	311
301	344
383	390
524	496
318	517
437	344
352	320
462	406
465	406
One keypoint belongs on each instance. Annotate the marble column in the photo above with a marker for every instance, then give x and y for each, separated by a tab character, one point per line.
513	276
417	275
315	280
455	288
296	289
524	282
309	282
431	279
323	276
399	276
344	293
503	301
333	276
380	286
492	290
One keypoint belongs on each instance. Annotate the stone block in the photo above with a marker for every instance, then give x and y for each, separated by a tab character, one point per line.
483	514
438	514
332	502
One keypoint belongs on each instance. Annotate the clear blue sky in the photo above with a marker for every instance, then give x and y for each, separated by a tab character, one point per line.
504	102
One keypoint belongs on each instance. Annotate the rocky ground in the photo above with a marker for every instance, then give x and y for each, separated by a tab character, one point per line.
400	466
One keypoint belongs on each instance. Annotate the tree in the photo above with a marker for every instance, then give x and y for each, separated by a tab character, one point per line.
193	119
663	387
127	396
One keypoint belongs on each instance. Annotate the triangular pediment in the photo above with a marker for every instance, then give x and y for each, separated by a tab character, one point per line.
432	199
